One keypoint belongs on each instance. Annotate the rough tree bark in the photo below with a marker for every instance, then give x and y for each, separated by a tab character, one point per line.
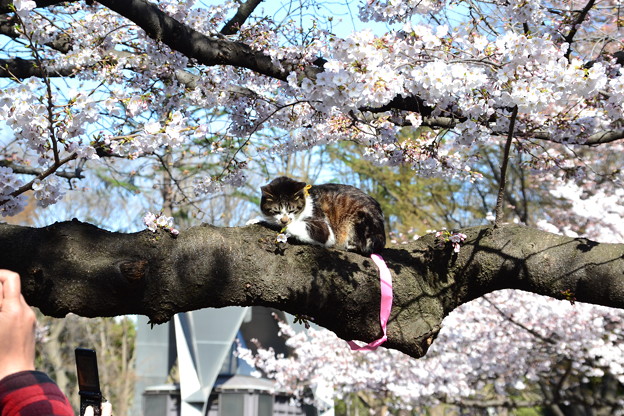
77	267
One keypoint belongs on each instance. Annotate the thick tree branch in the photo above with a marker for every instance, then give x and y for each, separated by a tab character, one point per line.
25	68
602	137
205	50
76	267
416	104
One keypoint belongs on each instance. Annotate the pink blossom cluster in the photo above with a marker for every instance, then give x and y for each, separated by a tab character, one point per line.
134	97
495	347
454	238
47	191
601	213
208	184
154	222
396	10
9	183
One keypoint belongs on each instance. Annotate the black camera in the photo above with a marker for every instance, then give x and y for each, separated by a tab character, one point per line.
88	381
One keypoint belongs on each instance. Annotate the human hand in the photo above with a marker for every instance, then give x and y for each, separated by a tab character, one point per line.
107	410
17	327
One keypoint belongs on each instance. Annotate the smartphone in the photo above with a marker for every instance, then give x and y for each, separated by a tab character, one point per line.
88	381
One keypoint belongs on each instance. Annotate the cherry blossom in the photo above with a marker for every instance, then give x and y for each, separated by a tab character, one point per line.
153	222
511	338
9	183
457	72
432	88
455	238
24	6
47	191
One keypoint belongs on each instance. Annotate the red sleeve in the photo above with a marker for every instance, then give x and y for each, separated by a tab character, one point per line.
32	393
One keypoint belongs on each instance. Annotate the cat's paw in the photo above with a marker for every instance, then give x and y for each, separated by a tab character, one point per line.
256	220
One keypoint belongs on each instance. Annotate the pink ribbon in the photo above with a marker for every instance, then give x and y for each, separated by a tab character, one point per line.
385	281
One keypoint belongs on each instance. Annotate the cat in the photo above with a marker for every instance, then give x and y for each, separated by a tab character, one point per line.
331	215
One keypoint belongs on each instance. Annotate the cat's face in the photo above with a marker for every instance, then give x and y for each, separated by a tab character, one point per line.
283	200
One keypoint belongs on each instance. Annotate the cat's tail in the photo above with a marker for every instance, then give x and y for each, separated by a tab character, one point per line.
385	281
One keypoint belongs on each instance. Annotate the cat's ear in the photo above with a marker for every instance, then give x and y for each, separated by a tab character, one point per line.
301	188
266	192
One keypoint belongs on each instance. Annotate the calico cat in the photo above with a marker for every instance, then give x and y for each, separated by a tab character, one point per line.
331	215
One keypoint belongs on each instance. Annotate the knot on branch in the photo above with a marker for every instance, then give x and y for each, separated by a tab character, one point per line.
134	271
424	341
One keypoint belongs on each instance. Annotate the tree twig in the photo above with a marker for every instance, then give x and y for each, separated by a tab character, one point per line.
242	14
26	170
52	169
503	171
531	331
570	36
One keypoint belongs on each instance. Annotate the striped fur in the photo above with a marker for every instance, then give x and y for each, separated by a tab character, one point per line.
332	215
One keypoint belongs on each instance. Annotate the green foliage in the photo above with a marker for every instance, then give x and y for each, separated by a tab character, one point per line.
125	184
415	204
349	406
411	204
113	340
534	411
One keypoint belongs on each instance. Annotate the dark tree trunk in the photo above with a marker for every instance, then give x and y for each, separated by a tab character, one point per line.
77	267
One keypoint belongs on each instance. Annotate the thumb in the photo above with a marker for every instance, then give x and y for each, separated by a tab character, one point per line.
10	289
107	409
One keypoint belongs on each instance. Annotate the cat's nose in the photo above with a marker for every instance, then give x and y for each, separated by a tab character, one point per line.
285	220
